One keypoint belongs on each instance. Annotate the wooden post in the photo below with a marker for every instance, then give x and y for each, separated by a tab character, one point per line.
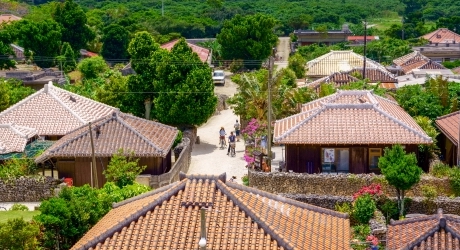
93	164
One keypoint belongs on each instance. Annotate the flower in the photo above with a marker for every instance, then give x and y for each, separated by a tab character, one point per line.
373	240
373	190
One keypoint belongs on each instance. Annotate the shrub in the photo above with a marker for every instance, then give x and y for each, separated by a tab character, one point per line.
245	180
389	209
454	180
361	232
440	170
19	234
373	190
364	208
429	193
236	65
19	207
178	139
123	169
17	167
346	208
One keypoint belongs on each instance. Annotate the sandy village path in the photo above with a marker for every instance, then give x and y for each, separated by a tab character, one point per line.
207	157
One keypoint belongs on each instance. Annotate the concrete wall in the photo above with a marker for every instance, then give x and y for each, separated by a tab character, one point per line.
27	189
336	185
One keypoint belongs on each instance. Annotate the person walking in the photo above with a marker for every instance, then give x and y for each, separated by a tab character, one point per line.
222	135
231	139
237	130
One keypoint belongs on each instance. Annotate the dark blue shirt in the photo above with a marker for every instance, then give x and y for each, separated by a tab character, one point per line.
232	138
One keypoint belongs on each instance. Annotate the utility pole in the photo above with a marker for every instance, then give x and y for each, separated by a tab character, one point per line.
93	164
269	114
162	8
458	142
365	44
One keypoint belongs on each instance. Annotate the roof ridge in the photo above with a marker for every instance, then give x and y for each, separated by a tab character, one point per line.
261	223
286	200
120	119
385	99
11	126
21	102
423	237
396	120
141	212
66	107
448	115
222	177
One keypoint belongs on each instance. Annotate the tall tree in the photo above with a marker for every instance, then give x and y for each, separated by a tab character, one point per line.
93	66
185	87
6	38
115	42
66	59
41	41
75	30
400	170
140	85
250	38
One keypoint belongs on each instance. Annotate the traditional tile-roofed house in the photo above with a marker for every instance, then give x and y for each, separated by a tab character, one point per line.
150	141
415	60
434	232
360	39
6	18
54	112
236	217
448	140
442	35
308	37
339	79
18	51
346	132
338	61
13	138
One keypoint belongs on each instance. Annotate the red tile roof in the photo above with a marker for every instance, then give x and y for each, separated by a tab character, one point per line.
203	53
435	232
237	217
116	131
6	18
13	138
416	60
361	38
350	117
54	111
442	35
448	124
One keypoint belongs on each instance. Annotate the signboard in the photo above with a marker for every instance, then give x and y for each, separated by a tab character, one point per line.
329	155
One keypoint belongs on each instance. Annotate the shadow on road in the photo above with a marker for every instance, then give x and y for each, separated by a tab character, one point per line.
204	148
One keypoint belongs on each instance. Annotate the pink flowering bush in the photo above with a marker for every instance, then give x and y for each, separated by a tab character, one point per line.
374	190
254	129
248	157
373	240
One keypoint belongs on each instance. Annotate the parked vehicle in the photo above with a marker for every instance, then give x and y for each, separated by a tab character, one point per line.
218	77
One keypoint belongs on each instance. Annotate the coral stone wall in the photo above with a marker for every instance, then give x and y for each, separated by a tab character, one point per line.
336	185
27	189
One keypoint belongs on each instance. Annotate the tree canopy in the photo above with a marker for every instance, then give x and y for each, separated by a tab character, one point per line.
250	38
115	42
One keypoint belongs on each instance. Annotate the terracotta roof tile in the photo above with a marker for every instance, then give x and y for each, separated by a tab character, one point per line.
116	131
434	232
411	56
6	18
442	35
13	138
339	61
203	53
448	124
237	218
54	111
350	117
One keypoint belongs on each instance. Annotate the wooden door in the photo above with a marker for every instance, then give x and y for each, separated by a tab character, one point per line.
358	160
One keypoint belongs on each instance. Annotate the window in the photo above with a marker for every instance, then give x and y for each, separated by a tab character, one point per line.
374	155
335	160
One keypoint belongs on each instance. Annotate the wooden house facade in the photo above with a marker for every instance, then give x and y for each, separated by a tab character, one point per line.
346	133
448	139
148	141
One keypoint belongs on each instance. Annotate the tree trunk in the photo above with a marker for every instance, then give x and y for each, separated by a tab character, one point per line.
148	107
401	212
398	195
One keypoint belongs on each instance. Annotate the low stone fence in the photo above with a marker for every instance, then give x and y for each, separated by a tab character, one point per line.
416	205
337	185
181	165
27	189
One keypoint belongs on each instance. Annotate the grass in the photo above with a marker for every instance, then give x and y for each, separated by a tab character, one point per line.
27	215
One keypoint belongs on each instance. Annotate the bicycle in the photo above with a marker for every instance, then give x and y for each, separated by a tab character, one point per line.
232	149
223	144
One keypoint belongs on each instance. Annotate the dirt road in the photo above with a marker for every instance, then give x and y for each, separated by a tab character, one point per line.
283	49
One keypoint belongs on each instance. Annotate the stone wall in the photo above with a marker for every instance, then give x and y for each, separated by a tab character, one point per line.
417	205
181	165
27	189
336	185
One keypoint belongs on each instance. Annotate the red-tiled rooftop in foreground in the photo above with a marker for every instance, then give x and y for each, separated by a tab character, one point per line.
110	133
203	53
434	232
350	117
237	217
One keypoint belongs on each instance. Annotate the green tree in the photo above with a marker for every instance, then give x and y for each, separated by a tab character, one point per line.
184	85
113	91
250	38
66	60
17	234
6	38
73	21
427	125
11	92
122	169
115	42
140	85
41	40
400	170
297	63
91	67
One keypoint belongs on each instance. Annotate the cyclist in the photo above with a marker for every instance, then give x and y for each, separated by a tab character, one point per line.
231	139
222	135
